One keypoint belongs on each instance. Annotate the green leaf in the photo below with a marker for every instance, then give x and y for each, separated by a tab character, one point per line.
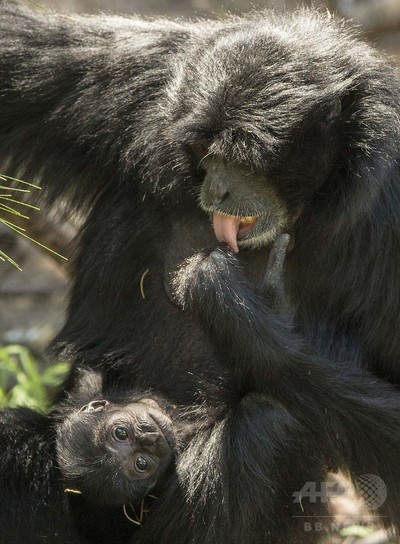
22	380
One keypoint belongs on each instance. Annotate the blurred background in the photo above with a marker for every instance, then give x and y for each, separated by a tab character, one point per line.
380	19
33	300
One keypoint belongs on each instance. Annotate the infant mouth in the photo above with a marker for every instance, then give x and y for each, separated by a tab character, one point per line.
231	228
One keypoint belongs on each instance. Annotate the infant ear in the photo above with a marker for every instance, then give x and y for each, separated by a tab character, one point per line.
95	406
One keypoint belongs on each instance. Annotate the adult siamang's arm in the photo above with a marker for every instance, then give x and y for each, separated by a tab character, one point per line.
74	91
352	416
253	334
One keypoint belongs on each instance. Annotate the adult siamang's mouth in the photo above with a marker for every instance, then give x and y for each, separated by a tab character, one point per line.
233	228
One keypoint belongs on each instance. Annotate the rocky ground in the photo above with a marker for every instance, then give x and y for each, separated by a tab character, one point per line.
32	301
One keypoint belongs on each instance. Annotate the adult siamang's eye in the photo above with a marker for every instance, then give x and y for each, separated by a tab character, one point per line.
141	464
120	434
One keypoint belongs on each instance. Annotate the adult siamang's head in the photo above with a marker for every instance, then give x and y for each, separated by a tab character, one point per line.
114	454
267	116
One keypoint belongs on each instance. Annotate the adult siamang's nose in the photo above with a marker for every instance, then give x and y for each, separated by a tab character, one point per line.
218	190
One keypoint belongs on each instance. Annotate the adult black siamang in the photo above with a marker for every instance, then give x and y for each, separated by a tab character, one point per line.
267	124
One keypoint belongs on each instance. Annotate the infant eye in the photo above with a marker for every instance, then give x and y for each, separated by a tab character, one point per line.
141	464
120	434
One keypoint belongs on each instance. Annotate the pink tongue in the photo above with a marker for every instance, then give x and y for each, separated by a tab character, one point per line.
226	228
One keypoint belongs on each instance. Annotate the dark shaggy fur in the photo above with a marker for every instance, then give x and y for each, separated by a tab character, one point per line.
64	478
116	114
34	507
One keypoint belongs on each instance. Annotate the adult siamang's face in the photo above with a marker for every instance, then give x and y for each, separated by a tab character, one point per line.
112	453
261	129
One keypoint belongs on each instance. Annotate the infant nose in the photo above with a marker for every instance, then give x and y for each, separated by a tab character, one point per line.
147	435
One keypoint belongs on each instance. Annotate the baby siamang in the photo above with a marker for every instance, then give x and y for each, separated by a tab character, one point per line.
113	453
83	470
266	124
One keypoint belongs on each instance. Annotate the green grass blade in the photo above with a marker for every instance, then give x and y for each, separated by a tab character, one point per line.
5	257
13	227
20	202
5	178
